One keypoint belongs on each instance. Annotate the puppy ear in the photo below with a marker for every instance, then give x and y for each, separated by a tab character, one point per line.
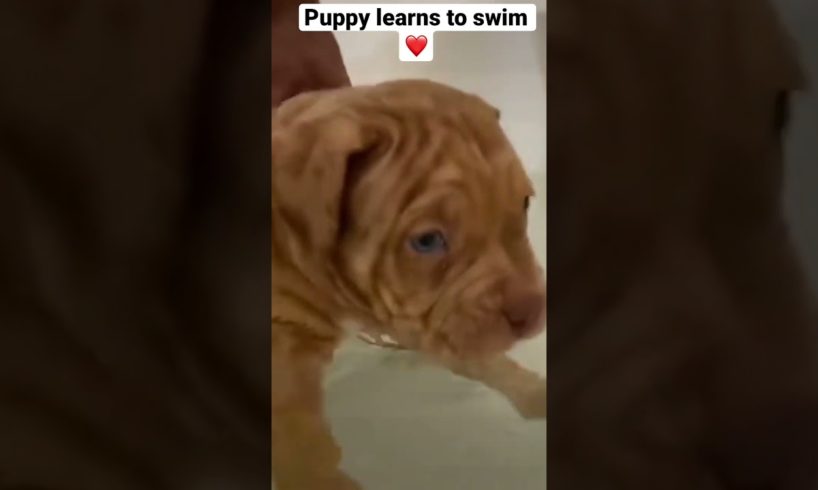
317	149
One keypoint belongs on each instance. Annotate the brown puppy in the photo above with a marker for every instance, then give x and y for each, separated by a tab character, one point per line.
399	208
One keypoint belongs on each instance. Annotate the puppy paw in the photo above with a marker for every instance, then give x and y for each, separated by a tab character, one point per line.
531	405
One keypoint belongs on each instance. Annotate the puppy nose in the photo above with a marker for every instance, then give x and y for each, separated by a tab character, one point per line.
524	313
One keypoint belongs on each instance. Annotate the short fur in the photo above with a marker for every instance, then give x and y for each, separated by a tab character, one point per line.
356	173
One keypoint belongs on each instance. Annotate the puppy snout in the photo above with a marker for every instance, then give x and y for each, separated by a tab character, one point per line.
525	311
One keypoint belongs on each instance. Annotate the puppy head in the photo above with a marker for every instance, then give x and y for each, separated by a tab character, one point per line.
413	202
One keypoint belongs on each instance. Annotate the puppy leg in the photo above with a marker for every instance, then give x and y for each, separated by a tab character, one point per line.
304	454
524	388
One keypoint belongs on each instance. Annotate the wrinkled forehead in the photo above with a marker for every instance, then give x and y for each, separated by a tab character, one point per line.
453	161
464	121
483	158
432	136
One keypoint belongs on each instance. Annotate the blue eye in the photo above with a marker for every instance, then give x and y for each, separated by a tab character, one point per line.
429	243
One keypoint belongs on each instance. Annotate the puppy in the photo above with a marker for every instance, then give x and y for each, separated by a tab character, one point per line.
399	208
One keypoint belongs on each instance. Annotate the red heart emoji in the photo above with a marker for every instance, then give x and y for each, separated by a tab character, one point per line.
416	44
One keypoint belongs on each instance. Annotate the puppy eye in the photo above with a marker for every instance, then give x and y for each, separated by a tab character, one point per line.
429	243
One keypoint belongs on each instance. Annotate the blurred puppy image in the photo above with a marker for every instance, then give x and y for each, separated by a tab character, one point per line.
398	208
681	329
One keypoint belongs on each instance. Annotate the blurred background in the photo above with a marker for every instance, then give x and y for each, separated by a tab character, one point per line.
405	424
801	17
